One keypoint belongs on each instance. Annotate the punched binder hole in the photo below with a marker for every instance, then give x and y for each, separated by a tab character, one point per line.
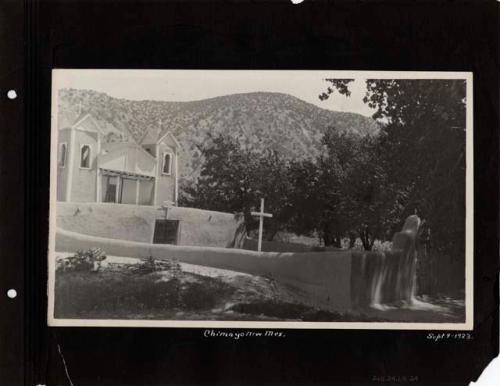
12	94
12	293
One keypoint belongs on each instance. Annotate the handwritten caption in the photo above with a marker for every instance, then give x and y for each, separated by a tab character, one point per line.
236	335
436	337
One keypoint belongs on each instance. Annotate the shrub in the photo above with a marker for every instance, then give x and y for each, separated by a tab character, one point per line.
89	260
150	264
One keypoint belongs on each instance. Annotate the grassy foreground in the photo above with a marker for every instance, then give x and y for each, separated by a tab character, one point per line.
111	294
128	292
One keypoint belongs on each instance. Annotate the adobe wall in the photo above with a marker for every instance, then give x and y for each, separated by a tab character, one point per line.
387	277
115	221
277	246
323	278
208	228
136	223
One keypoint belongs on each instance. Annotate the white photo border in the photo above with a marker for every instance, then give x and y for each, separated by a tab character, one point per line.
58	74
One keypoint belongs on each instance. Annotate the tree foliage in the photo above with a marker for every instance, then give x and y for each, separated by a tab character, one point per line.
339	85
344	192
359	186
234	179
424	150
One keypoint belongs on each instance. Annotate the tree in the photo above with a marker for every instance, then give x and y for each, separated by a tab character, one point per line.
353	195
422	153
303	199
425	150
371	200
234	179
318	196
340	85
335	164
227	180
273	184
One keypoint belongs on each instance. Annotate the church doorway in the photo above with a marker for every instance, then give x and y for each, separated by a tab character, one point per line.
110	189
120	190
126	188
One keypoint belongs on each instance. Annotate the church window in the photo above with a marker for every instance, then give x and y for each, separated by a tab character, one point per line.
167	163
62	154
85	157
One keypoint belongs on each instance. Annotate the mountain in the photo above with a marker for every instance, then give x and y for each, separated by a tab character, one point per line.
259	120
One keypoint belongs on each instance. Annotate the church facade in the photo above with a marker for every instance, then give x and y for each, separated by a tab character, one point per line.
92	170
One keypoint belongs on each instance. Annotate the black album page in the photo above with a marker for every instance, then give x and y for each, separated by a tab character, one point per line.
248	193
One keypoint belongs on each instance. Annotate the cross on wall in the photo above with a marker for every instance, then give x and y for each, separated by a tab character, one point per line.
261	216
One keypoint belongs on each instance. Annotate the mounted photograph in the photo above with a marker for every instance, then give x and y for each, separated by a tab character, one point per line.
261	199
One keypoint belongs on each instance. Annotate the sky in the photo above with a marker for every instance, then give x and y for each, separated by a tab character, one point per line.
189	85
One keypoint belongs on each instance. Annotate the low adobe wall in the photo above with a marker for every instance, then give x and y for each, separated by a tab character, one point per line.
322	278
137	222
277	246
388	277
208	228
114	221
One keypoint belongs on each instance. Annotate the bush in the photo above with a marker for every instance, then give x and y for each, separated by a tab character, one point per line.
150	264
89	260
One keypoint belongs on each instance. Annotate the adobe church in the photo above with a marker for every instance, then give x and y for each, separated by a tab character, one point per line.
90	170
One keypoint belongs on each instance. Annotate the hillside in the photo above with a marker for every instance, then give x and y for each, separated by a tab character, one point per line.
259	120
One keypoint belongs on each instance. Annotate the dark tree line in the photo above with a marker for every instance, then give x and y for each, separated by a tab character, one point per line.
342	193
422	145
360	186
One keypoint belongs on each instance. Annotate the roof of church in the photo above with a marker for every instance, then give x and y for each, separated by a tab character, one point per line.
149	138
111	147
66	119
169	133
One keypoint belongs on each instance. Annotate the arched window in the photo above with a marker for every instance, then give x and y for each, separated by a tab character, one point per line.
167	163
85	157
62	154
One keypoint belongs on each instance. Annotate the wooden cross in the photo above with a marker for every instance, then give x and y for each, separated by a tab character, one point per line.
261	216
